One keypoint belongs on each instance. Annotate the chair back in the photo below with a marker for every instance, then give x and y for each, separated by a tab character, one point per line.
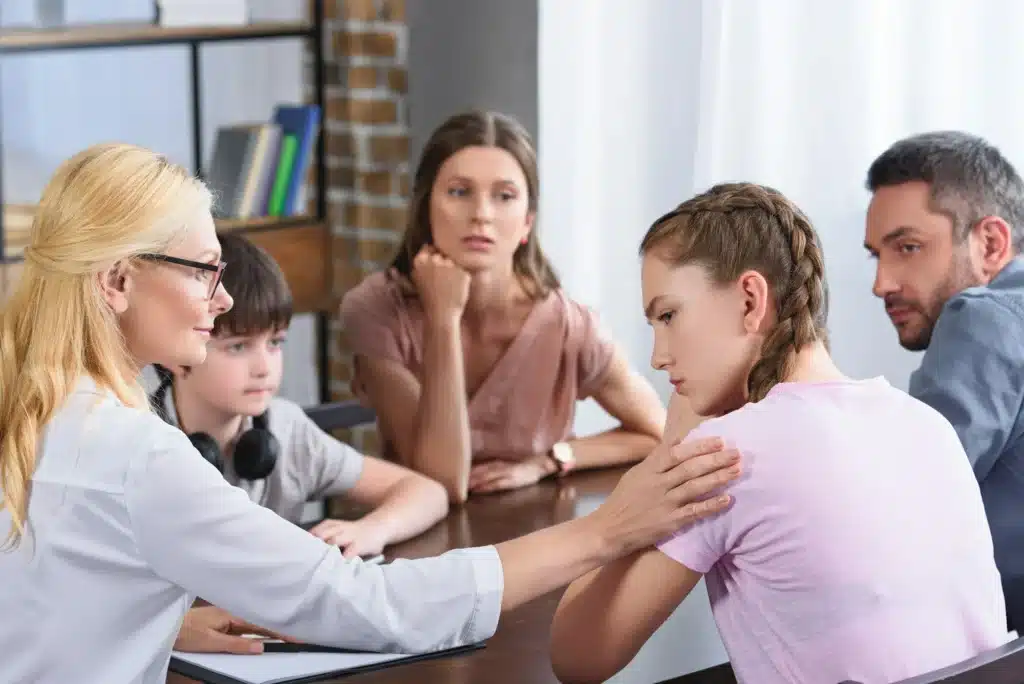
1003	665
338	415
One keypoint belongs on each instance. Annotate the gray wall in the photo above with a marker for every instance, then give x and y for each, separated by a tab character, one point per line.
471	54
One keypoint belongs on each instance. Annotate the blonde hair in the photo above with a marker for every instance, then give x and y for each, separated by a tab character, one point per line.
102	207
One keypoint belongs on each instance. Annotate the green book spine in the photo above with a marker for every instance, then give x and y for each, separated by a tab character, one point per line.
289	146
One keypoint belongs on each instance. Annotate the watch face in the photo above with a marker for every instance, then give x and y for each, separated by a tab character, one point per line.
562	453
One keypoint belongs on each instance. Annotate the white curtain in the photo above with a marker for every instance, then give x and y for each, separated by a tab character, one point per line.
802	95
644	103
617	123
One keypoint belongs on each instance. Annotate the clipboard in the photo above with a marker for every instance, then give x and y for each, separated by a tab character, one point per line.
295	664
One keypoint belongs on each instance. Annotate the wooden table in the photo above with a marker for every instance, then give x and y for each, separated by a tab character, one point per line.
519	652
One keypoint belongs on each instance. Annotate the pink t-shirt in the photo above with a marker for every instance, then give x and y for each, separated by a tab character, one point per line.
856	547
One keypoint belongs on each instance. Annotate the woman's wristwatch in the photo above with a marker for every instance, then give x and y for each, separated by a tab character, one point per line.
565	460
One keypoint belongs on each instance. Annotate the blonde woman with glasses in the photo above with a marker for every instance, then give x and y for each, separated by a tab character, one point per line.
115	521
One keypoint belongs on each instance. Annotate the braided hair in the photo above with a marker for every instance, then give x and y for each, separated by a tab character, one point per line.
736	227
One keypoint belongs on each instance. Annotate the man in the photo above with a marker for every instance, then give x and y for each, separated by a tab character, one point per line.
946	226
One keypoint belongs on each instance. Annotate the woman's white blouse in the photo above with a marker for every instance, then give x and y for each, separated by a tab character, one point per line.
128	524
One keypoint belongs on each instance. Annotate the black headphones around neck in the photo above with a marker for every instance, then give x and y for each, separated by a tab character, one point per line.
255	453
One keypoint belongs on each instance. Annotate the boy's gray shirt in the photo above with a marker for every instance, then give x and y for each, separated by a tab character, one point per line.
311	465
973	374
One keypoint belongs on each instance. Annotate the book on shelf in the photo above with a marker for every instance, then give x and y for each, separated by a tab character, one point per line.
259	169
257	174
176	13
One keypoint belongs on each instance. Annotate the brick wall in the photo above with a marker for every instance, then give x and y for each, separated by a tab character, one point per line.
367	142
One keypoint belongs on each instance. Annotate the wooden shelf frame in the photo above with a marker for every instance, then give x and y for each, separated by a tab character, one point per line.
301	244
301	247
27	212
226	225
127	35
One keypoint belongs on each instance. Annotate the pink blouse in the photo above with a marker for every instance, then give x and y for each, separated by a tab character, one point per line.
528	401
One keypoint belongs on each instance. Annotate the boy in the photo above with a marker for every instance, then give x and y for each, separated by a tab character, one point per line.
233	392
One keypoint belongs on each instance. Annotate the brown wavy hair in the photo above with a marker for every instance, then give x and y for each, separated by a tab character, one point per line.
737	227
476	129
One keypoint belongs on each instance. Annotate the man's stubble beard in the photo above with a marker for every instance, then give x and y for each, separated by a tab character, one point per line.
959	277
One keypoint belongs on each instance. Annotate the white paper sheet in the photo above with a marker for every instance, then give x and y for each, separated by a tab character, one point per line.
273	668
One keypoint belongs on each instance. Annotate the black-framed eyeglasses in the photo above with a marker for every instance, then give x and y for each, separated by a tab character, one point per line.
215	271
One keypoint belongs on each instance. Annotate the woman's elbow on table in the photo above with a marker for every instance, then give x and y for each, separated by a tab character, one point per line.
581	658
456	487
458	498
590	670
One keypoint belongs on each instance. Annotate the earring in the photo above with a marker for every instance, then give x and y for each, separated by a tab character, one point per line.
524	241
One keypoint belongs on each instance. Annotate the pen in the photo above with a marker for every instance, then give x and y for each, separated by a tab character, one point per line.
277	646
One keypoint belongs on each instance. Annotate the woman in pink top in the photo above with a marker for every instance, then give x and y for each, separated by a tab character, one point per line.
467	347
856	545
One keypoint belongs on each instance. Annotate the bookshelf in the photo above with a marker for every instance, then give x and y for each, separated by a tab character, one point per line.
301	244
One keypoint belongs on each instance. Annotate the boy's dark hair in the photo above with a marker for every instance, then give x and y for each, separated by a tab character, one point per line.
969	179
263	300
